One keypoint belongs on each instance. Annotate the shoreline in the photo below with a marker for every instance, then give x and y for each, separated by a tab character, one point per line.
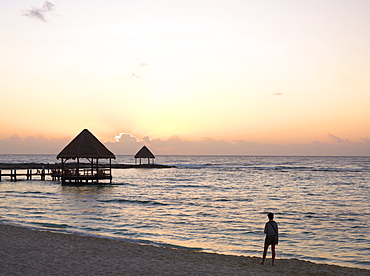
27	251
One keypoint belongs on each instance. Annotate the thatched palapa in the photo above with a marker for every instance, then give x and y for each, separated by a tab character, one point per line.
86	146
145	153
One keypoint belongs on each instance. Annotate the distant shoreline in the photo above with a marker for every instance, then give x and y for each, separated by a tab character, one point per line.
27	251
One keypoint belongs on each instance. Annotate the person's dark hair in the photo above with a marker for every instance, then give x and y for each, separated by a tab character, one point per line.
270	215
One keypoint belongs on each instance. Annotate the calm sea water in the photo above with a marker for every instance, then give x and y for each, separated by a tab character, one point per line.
213	203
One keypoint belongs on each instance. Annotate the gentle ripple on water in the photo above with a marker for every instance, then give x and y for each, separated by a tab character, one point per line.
214	203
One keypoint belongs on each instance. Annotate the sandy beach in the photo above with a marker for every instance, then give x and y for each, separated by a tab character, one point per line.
33	252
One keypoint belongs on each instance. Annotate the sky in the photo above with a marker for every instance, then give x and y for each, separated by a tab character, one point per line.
249	77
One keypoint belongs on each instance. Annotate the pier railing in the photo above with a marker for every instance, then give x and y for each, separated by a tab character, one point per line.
15	174
55	174
83	172
83	175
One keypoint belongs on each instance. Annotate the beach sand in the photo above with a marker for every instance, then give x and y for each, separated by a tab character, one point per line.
25	251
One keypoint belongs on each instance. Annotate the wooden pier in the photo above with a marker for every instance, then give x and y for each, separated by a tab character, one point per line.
68	176
28	174
33	171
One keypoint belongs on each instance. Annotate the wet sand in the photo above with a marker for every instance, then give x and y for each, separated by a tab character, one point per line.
33	252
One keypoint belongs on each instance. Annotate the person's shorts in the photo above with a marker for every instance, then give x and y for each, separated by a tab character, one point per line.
271	240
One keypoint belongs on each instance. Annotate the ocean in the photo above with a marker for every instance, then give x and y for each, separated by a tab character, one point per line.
211	203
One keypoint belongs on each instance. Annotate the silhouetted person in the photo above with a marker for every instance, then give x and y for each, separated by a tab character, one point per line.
272	237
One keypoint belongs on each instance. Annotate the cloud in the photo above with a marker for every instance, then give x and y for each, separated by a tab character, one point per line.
133	76
210	146
126	137
366	140
40	13
278	94
139	69
338	140
32	145
125	143
128	144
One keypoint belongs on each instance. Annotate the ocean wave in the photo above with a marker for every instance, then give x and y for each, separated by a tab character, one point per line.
272	168
51	225
143	202
193	186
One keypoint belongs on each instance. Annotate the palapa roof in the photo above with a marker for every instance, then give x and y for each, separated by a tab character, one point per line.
144	152
85	145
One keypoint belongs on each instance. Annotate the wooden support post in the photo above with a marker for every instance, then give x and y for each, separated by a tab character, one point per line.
97	171
110	170
15	175
43	173
78	169
63	178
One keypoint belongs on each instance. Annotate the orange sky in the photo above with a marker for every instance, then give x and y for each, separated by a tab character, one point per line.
268	72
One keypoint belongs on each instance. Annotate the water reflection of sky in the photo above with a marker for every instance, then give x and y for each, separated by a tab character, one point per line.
322	215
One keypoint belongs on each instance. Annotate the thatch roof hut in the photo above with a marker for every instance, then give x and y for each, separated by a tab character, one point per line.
87	146
145	153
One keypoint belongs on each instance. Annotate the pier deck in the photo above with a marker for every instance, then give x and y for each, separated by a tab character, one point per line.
14	174
34	171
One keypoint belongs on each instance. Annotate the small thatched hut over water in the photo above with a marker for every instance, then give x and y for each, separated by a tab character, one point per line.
85	146
145	153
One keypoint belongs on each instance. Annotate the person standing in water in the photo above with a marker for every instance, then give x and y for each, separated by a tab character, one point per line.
272	237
